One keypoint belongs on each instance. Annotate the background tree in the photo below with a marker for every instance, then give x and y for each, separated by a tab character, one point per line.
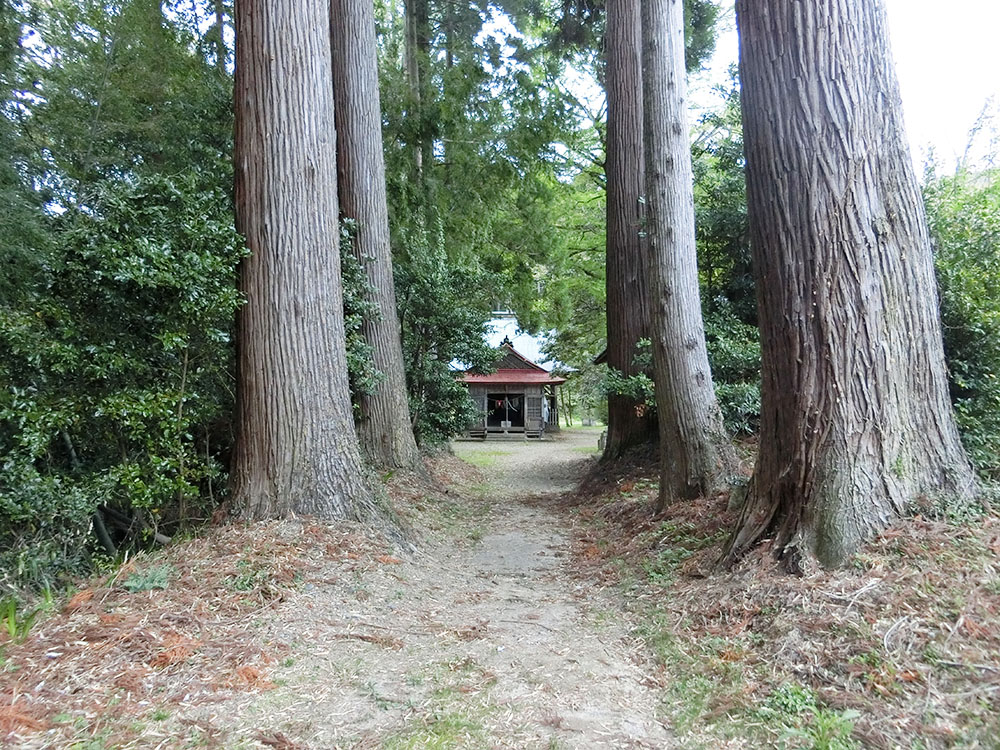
727	290
964	216
580	33
627	292
296	448
856	426
384	429
115	327
111	93
23	242
695	456
472	222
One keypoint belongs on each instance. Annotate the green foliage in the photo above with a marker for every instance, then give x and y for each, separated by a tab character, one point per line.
148	579
676	543
700	17
473	226
118	368
734	354
572	299
442	316
249	576
485	132
637	387
118	292
363	376
727	286
576	306
794	710
111	89
723	232
23	243
579	26
44	526
964	216
17	623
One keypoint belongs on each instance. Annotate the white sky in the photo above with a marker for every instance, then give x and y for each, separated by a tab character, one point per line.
529	346
948	62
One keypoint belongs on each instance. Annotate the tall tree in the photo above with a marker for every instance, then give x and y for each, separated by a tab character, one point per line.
628	317
218	35
856	425
384	428
109	93
695	456
417	59
296	450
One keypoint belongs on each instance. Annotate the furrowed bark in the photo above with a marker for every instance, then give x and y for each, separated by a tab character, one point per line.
384	429
695	455
296	451
627	292
856	424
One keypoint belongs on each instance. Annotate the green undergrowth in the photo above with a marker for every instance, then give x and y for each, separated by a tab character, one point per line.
19	616
710	688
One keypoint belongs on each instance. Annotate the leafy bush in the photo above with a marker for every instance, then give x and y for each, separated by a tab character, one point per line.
44	526
118	372
443	321
639	387
964	216
734	353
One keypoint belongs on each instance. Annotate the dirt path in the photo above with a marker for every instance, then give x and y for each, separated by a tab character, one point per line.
479	638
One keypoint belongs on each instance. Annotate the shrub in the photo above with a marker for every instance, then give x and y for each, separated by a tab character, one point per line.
964	217
734	353
442	316
118	372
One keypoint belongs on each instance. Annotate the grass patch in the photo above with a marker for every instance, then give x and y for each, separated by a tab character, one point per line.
484	459
455	712
441	731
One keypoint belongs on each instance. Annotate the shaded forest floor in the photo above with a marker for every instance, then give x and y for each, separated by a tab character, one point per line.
528	614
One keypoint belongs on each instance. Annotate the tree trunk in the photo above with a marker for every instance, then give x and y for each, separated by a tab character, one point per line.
220	39
296	450
695	455
856	425
384	430
627	295
417	52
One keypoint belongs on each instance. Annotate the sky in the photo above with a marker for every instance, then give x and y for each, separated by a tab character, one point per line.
530	346
948	64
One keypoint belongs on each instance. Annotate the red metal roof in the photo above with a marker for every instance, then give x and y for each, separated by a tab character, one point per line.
513	377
